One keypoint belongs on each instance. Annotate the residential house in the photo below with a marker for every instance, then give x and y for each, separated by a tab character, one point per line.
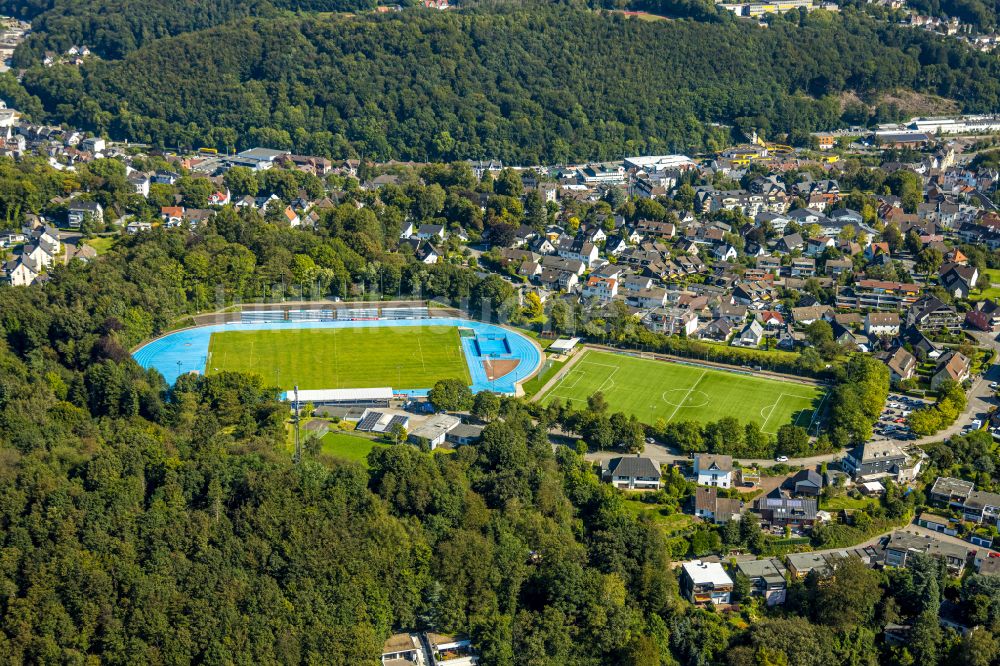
767	579
714	509
632	473
647	297
578	249
18	273
603	289
713	470
801	564
426	253
874	458
221	198
807	482
291	217
953	366
981	507
137	226
671	321
404	649
902	364
931	314
790	242
706	582
172	216
902	545
80	211
881	324
803	267
751	335
951	492
877	295
139	183
778	509
718	329
808	314
837	267
655	229
431	232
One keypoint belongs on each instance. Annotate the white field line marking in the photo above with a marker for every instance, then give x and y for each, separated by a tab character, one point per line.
686	395
774	407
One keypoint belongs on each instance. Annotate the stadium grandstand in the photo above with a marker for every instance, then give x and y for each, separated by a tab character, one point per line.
406	313
362	397
358	314
312	315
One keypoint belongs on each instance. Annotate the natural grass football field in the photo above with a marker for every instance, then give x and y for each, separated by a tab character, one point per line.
676	392
403	357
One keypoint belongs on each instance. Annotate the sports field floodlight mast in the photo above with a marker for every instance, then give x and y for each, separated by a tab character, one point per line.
295	420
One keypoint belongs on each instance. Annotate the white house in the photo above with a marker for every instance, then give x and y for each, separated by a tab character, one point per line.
431	232
80	210
140	183
19	274
713	470
881	324
706	582
601	288
632	473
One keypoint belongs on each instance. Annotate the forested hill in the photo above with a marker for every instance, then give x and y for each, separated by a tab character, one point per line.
113	28
535	84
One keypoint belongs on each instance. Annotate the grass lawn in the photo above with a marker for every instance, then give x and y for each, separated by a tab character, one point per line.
672	523
101	244
535	384
677	392
845	502
347	447
987	278
404	357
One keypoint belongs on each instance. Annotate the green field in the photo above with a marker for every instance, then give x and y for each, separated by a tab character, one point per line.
347	447
985	289
678	392
403	357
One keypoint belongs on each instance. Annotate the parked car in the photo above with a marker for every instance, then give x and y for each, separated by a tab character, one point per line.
782	459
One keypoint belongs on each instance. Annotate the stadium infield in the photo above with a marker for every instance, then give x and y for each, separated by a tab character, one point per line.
652	389
331	358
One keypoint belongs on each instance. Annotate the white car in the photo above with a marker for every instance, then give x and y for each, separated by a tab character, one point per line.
994	385
782	459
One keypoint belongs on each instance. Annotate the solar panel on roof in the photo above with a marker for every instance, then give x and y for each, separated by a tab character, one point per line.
369	421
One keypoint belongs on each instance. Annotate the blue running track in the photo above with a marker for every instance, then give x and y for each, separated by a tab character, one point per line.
184	351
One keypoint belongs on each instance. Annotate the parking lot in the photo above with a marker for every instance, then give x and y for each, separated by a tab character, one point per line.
892	421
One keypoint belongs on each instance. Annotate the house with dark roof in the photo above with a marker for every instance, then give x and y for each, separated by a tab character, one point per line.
931	314
875	458
714	509
806	482
779	509
767	579
632	473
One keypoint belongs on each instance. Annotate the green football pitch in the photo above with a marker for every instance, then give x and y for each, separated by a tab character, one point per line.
678	392
403	357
